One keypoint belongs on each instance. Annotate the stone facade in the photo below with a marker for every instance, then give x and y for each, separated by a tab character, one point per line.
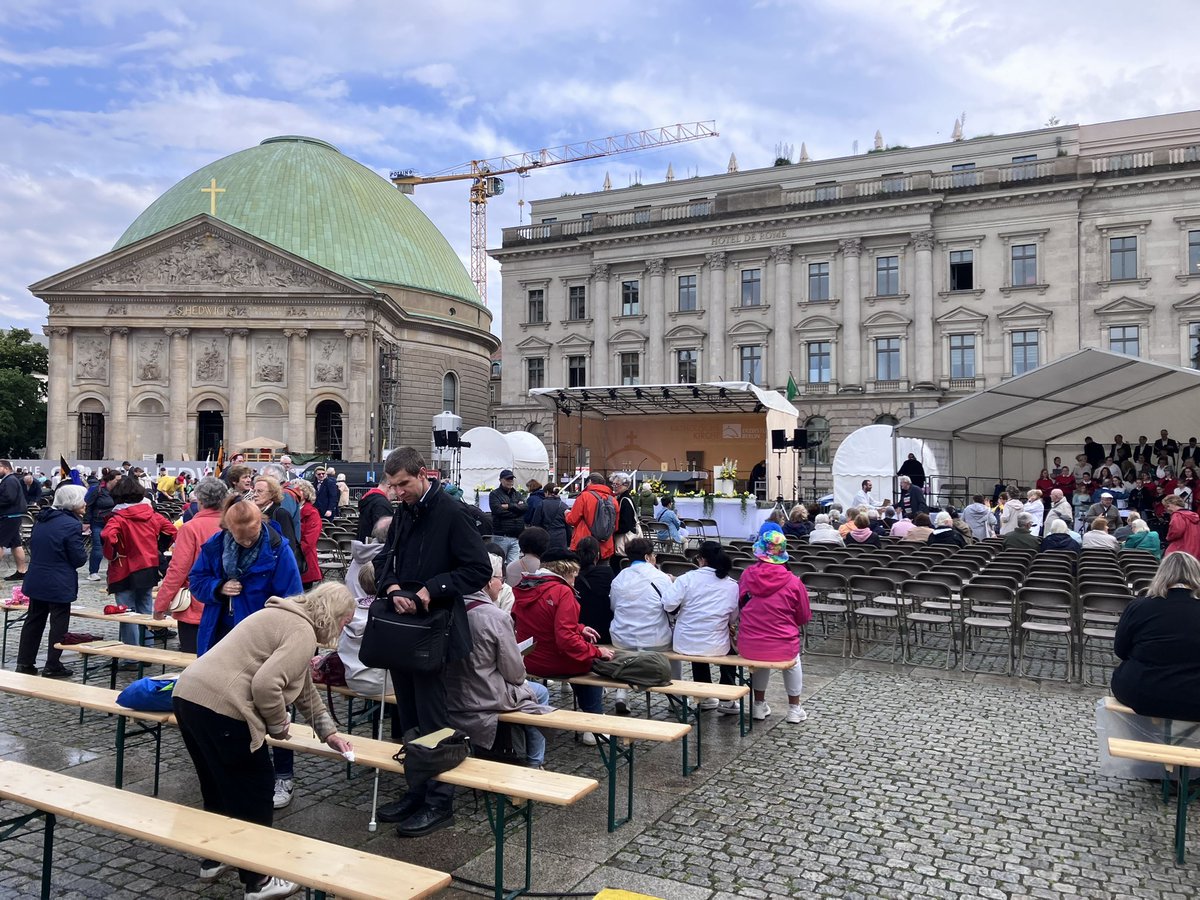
205	319
884	284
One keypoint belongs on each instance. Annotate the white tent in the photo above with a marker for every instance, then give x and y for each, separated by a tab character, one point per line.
529	456
482	462
871	452
1015	428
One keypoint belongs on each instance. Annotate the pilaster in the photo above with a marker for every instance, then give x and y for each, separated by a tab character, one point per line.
177	415
238	383
656	269
298	436
853	377
116	439
781	346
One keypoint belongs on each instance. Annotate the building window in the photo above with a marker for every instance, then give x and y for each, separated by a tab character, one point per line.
630	298
491	393
577	302
820	362
750	364
887	359
495	421
962	270
818	282
576	371
537	306
631	368
751	287
1025	166
964	175
687	366
962	356
687	293
818	441
535	371
1124	339
886	419
1024	264
1024	352
495	368
450	392
1194	345
887	276
91	435
1122	258
1193	253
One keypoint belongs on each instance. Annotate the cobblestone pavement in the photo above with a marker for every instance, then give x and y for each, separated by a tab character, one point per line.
902	783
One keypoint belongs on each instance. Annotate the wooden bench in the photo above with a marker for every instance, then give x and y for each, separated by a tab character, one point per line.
1183	759
142	620
317	864
500	784
681	691
14	615
741	676
116	651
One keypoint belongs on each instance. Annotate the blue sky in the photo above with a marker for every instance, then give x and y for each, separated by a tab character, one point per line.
104	104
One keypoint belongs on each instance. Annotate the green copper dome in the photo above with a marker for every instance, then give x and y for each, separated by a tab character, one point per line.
304	196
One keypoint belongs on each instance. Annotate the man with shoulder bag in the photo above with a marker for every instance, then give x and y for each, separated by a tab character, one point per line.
433	556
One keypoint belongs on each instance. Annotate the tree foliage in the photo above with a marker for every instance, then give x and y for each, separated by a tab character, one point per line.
23	368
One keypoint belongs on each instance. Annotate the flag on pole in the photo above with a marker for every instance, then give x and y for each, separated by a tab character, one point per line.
220	460
792	390
63	468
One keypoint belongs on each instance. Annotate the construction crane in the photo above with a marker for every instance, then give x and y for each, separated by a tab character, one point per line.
484	174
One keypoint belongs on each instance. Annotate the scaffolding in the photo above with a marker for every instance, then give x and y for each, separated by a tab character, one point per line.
389	398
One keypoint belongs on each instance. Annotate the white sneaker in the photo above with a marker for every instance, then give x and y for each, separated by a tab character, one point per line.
796	715
760	711
710	703
283	797
95	576
728	708
588	738
271	888
211	870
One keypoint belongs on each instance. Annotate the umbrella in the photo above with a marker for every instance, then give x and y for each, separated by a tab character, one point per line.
258	443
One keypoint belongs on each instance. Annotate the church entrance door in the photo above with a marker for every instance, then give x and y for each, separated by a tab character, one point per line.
211	425
329	430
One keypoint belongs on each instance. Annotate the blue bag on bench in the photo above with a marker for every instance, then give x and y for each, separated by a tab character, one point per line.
148	694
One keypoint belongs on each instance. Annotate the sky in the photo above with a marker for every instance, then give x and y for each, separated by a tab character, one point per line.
104	104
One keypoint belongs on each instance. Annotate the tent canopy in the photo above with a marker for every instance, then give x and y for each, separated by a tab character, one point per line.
258	443
1091	392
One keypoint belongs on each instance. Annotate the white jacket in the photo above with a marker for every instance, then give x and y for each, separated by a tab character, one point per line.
825	534
1008	516
639	616
707	606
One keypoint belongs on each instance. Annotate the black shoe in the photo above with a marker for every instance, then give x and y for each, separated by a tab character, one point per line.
425	821
15	576
58	672
399	810
27	670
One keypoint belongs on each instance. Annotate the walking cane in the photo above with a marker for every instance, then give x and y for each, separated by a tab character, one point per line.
373	824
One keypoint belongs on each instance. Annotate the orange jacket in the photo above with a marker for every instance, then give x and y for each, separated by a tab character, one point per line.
583	512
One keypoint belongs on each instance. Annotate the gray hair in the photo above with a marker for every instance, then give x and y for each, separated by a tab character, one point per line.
1024	520
1138	525
822	519
382	525
69	497
1058	526
304	488
943	520
327	605
274	471
211	492
1179	569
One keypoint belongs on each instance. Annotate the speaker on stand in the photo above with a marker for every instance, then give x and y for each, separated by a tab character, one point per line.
779	446
799	445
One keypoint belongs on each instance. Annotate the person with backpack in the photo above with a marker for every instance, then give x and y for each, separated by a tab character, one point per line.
133	538
594	514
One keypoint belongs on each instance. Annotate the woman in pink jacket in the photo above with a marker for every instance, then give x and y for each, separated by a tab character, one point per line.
774	607
210	494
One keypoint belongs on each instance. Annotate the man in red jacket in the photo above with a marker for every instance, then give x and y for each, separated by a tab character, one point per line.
582	515
1184	531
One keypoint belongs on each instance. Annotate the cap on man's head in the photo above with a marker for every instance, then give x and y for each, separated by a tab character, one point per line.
1106	494
320	467
506	474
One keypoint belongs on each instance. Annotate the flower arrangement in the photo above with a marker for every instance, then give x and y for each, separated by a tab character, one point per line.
728	470
655	486
707	503
745	495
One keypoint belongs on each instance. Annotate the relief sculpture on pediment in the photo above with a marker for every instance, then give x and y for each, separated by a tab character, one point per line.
207	259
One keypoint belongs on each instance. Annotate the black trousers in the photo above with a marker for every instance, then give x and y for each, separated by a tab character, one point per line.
234	781
187	636
421	704
59	616
702	673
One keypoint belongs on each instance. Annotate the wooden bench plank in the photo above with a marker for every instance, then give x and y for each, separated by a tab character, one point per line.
729	660
70	693
317	864
693	689
627	727
155	656
1148	751
131	618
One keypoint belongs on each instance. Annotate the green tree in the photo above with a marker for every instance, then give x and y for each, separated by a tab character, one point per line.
23	368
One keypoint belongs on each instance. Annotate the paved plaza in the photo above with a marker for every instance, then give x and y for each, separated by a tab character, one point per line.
902	783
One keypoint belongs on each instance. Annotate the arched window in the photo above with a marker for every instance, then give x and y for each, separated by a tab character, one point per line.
886	419
329	430
450	393
91	429
818	441
534	428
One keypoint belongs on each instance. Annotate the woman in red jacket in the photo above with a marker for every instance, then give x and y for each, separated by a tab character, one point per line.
210	496
310	529
547	610
133	538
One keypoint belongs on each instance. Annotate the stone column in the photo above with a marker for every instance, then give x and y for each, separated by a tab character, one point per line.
298	437
239	386
656	268
853	371
782	345
116	438
177	415
601	320
923	349
712	364
58	380
354	437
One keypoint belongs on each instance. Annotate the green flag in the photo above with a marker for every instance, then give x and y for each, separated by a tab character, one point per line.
792	391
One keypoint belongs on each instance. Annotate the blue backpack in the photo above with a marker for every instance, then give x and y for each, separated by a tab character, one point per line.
149	694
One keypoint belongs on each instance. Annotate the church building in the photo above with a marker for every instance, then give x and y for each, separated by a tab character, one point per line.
285	292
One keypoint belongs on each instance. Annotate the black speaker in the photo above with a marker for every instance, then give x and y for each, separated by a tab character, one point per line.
779	441
159	459
800	438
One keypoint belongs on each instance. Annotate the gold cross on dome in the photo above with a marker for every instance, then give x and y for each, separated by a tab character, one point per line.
212	190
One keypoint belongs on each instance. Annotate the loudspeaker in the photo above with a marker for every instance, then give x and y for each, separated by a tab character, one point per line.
779	439
800	438
159	459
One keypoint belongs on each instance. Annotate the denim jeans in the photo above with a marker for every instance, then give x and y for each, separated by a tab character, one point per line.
589	698
509	545
140	601
97	553
535	741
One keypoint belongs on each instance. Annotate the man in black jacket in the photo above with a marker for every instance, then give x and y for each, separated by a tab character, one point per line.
433	542
913	469
12	512
373	506
912	499
507	507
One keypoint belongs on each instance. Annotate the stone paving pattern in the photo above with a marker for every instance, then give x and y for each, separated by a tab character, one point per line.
904	782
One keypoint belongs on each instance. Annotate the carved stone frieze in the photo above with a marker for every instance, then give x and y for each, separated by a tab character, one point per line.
329	361
91	358
150	360
269	356
210	360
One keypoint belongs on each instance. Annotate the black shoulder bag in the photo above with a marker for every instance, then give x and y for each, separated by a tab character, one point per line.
406	642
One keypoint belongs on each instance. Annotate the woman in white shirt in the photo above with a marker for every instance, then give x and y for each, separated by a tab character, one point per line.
1010	508
705	603
639	617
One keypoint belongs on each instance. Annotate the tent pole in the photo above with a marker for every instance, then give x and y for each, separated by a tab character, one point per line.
1001	446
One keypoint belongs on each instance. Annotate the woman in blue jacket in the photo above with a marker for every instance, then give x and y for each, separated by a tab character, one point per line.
52	582
238	568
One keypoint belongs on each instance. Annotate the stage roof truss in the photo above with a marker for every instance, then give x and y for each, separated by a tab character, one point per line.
669	399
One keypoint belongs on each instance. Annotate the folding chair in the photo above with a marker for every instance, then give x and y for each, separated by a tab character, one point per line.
875	605
1045	613
931	609
829	600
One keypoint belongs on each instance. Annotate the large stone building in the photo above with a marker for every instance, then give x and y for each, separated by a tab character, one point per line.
285	291
883	283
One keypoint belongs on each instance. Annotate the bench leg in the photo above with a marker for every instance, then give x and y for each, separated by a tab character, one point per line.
686	716
157	754
1181	813
9	827
612	753
745	722
120	776
500	812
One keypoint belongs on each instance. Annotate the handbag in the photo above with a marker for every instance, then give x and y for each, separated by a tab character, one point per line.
416	642
181	602
425	756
